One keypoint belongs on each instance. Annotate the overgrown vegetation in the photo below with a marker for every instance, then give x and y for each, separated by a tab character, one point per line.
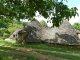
43	23
6	29
25	9
76	25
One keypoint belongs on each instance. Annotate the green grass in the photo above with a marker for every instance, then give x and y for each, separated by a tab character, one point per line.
7	48
31	58
5	43
8	56
43	47
46	47
39	46
5	56
66	56
4	46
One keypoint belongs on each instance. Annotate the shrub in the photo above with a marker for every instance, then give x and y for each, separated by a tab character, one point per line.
43	23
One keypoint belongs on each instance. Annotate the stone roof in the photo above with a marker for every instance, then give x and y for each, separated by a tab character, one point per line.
15	32
65	34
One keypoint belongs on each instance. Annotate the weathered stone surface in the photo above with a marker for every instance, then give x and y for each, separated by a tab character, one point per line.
14	35
65	34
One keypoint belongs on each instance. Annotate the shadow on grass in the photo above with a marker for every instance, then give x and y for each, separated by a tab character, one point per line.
35	46
6	48
5	56
13	55
65	56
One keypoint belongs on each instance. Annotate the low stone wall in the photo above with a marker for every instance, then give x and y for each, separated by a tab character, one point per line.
74	47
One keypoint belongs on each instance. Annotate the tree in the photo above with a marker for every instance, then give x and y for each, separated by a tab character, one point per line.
13	26
2	25
25	23
4	31
25	9
76	26
43	23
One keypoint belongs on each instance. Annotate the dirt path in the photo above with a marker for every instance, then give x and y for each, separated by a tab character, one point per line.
30	52
23	49
74	54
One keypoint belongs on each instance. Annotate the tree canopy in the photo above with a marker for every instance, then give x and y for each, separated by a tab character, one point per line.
3	25
43	23
76	25
25	9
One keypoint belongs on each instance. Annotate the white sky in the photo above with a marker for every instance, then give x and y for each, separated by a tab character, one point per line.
71	3
39	18
74	3
77	18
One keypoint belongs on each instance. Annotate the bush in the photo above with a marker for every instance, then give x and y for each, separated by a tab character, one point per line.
13	27
43	23
76	26
6	35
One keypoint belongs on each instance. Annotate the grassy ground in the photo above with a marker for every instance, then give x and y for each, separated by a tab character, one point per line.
8	56
39	46
5	47
58	52
68	56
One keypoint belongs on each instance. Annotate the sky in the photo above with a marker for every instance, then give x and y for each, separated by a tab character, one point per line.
70	3
74	3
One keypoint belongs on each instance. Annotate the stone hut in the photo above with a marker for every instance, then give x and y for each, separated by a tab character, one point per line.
35	32
14	35
32	33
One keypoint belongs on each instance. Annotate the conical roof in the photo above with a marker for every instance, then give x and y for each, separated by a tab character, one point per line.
65	34
34	31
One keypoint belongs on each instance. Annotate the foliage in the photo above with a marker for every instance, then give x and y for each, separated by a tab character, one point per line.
2	25
25	9
6	35
76	26
4	31
13	26
20	22
25	23
8	28
43	23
